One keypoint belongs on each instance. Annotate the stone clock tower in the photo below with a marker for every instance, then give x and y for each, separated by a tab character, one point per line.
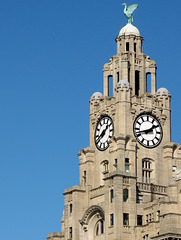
130	175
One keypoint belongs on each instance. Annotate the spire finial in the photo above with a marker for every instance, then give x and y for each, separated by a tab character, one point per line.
129	10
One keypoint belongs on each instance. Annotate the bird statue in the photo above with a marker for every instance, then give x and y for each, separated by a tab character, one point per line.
129	10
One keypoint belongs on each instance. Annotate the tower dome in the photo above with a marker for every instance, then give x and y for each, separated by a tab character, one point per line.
129	29
162	92
96	95
123	84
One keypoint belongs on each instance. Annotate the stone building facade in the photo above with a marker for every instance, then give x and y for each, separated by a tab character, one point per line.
130	175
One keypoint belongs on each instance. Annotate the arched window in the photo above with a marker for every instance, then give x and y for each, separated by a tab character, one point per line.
146	171
125	195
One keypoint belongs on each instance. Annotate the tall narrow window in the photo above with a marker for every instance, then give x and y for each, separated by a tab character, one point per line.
115	164
148	82
111	219
134	47
85	178
137	83
70	232
110	81
139	220
117	77
102	227
129	74
70	209
125	195
146	171
126	164
126	219
127	46
111	195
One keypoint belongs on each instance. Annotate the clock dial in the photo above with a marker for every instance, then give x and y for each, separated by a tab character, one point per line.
147	130
103	133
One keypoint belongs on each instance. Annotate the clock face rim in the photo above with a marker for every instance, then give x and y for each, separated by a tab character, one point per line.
160	127
109	137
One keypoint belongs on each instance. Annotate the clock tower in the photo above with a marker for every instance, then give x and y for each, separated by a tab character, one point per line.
130	175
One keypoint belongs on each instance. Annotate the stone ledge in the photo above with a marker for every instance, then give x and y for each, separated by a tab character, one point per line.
55	236
74	189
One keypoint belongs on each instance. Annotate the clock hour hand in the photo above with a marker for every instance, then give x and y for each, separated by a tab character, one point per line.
102	134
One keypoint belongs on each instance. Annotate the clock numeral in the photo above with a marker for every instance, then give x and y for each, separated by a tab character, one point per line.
139	123
142	119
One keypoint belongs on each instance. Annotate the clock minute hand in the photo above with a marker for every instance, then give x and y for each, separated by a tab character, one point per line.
147	130
102	134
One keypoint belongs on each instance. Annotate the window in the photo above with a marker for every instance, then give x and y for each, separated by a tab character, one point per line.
145	237
102	227
134	47
117	76
126	219
146	171
110	81
99	228
139	220
147	218
115	164
85	178
70	209
148	82
137	83
126	164
125	195
127	46
111	195
70	232
111	219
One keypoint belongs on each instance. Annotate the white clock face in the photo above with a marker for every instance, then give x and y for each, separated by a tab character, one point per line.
147	130
103	133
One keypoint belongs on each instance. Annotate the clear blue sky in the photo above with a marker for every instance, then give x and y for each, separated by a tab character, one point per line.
52	54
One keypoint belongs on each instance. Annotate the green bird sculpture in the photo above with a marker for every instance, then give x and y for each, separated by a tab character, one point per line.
129	10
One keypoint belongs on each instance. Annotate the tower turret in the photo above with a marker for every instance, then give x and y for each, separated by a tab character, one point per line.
130	63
